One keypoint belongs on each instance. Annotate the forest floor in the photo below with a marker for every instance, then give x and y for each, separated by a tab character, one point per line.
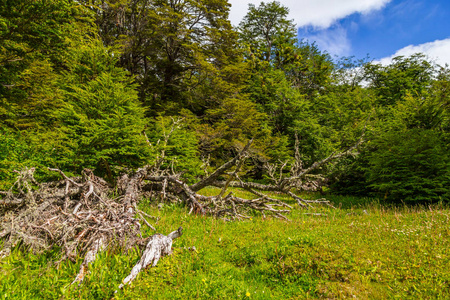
362	249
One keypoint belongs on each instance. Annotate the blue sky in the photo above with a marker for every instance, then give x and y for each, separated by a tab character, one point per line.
381	29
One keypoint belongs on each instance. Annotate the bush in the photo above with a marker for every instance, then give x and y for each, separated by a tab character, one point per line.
410	166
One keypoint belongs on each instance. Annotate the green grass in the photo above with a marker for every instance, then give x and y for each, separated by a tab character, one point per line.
361	250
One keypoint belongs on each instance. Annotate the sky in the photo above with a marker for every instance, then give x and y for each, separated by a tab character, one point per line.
375	29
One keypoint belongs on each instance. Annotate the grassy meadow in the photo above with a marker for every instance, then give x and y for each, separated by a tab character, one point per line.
361	250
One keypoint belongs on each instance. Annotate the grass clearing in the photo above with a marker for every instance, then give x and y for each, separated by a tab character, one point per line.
362	250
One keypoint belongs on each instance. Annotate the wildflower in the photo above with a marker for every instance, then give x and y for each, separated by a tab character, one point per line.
247	294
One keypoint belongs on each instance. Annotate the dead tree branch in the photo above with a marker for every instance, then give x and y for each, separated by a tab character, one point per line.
220	171
157	247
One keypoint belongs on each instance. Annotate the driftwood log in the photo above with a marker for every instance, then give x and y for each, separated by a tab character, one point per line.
157	247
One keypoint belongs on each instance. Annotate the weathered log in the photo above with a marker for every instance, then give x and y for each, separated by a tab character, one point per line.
157	247
132	189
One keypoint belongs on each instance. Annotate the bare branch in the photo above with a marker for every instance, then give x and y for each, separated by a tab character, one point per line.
220	171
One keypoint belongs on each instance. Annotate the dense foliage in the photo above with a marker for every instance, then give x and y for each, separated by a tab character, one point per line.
99	84
406	157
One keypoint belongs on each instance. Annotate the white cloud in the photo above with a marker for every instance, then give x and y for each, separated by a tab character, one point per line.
317	13
438	51
333	40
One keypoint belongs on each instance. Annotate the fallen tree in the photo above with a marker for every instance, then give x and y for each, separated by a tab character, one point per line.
84	215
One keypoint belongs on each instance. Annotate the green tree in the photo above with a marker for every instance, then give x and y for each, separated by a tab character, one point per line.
406	157
101	123
174	146
186	60
32	36
312	73
268	33
285	77
175	49
409	156
404	75
64	100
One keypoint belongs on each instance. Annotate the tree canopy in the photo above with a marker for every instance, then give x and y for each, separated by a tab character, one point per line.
100	84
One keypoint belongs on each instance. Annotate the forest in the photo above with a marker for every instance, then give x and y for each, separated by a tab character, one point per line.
96	84
109	106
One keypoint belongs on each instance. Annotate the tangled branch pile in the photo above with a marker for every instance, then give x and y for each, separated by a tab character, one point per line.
81	216
74	213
